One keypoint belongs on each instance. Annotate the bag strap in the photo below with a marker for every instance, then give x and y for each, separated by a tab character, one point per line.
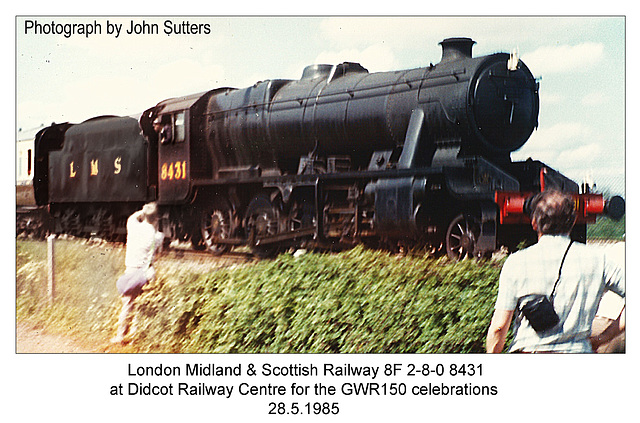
518	312
553	293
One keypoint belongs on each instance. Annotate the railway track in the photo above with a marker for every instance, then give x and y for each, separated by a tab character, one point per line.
174	255
238	256
201	260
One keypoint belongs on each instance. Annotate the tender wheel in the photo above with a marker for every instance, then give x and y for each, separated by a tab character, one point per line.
462	236
216	225
261	221
103	219
70	222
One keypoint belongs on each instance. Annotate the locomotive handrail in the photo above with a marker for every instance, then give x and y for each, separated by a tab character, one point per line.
335	176
422	80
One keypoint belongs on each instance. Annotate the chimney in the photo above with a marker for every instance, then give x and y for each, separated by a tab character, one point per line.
456	49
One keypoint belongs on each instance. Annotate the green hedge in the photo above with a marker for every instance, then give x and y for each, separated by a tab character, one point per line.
607	229
359	301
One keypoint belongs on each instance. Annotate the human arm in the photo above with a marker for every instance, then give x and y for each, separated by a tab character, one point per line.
614	329
497	334
137	216
159	242
614	277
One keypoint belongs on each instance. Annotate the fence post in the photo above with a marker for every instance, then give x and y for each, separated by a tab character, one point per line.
51	282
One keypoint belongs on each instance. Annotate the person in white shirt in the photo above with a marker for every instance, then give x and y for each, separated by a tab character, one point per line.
586	273
143	241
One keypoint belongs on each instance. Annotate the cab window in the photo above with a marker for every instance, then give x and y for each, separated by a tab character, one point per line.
179	127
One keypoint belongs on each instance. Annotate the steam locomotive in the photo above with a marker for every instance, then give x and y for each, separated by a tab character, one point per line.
338	157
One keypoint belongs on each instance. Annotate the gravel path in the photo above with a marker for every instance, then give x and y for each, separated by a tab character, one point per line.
31	339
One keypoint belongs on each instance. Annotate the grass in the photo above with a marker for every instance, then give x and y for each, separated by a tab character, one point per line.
86	300
356	301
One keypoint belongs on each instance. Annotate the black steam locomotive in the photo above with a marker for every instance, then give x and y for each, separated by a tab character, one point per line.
341	156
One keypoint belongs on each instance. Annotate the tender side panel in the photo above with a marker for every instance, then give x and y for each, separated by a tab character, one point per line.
102	160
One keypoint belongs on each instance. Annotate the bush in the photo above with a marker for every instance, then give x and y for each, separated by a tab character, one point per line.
607	229
356	302
359	301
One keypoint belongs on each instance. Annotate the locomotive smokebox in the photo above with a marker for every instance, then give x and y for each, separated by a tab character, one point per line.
457	48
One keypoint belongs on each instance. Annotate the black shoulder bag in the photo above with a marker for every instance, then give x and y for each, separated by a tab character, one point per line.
538	308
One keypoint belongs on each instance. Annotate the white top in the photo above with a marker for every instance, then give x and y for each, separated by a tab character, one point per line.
143	240
611	303
586	275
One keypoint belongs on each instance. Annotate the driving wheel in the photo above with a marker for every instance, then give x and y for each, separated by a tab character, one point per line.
262	221
216	226
462	236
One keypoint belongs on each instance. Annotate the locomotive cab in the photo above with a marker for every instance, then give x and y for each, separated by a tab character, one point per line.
168	127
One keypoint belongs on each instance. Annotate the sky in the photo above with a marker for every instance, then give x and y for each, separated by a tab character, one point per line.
579	61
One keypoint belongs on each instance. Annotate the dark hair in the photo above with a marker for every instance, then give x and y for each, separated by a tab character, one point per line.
554	212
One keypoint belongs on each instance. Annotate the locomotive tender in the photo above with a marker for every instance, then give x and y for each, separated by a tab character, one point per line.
338	157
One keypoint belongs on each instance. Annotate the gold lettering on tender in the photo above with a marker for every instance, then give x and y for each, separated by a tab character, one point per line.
72	173
117	165
94	167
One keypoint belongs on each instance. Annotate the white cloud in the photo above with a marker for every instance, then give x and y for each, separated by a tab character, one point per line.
116	95
590	160
36	113
375	58
560	135
192	75
580	156
129	91
554	144
349	31
550	98
574	149
492	33
564	58
594	99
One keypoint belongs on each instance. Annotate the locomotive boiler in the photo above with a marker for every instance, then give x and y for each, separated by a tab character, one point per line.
340	156
461	105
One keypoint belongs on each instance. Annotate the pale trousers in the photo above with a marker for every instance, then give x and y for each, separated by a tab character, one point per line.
124	321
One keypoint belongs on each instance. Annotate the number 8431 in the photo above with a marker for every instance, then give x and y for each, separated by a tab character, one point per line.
175	170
